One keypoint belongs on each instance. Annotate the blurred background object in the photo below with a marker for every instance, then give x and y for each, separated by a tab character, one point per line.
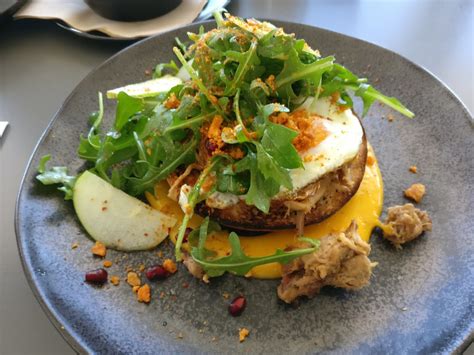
132	10
9	7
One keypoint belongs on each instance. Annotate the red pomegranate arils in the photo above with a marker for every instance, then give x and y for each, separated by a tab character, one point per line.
98	276
237	306
186	234
211	146
156	272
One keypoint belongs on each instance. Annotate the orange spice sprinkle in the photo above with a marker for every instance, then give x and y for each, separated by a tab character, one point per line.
107	263
215	127
236	153
133	279
144	294
115	280
370	160
172	102
170	266
99	249
270	81
308	158
413	169
243	333
310	130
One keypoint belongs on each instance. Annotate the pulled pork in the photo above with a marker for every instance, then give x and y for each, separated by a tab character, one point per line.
341	261
193	267
405	223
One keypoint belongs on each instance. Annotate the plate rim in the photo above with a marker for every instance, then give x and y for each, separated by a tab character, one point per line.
53	316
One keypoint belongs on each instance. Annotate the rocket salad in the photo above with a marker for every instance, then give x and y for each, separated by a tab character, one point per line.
236	75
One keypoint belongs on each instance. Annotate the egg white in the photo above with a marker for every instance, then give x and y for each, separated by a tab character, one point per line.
339	147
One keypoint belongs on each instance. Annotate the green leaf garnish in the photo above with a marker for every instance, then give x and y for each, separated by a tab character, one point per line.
294	70
56	175
237	262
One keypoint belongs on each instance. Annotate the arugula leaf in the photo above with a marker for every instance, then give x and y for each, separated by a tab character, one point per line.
260	190
197	80
340	79
56	175
127	106
369	95
277	141
246	61
275	45
229	181
237	262
195	236
270	169
189	123
160	68
173	154
295	70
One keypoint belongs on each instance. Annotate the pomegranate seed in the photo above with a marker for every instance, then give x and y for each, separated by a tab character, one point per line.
186	234
156	272
210	146
98	276
237	306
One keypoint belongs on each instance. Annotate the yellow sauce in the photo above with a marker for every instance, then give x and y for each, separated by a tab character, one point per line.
364	207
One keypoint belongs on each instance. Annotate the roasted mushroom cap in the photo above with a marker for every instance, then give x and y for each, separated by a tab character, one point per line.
311	204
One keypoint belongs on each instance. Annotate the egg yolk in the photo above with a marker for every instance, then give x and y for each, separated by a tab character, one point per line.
364	207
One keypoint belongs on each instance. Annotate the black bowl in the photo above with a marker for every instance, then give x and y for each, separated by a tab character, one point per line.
132	10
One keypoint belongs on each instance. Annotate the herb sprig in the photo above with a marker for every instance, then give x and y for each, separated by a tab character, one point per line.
237	262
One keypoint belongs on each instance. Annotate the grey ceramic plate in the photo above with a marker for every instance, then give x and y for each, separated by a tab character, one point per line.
420	300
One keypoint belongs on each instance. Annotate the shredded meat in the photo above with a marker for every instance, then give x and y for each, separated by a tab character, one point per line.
194	268
341	261
405	223
176	181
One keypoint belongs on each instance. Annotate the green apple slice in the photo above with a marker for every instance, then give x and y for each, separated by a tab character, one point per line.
116	219
148	88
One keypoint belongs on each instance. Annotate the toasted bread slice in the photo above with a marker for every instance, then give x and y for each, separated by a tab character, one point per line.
317	200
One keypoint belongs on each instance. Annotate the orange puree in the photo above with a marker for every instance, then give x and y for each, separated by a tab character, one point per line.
364	207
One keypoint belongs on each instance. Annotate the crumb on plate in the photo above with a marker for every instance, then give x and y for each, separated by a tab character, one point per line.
415	192
170	266
107	263
115	280
133	279
99	249
243	333
413	169
74	245
144	294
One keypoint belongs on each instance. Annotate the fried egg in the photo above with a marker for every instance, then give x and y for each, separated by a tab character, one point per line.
343	136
